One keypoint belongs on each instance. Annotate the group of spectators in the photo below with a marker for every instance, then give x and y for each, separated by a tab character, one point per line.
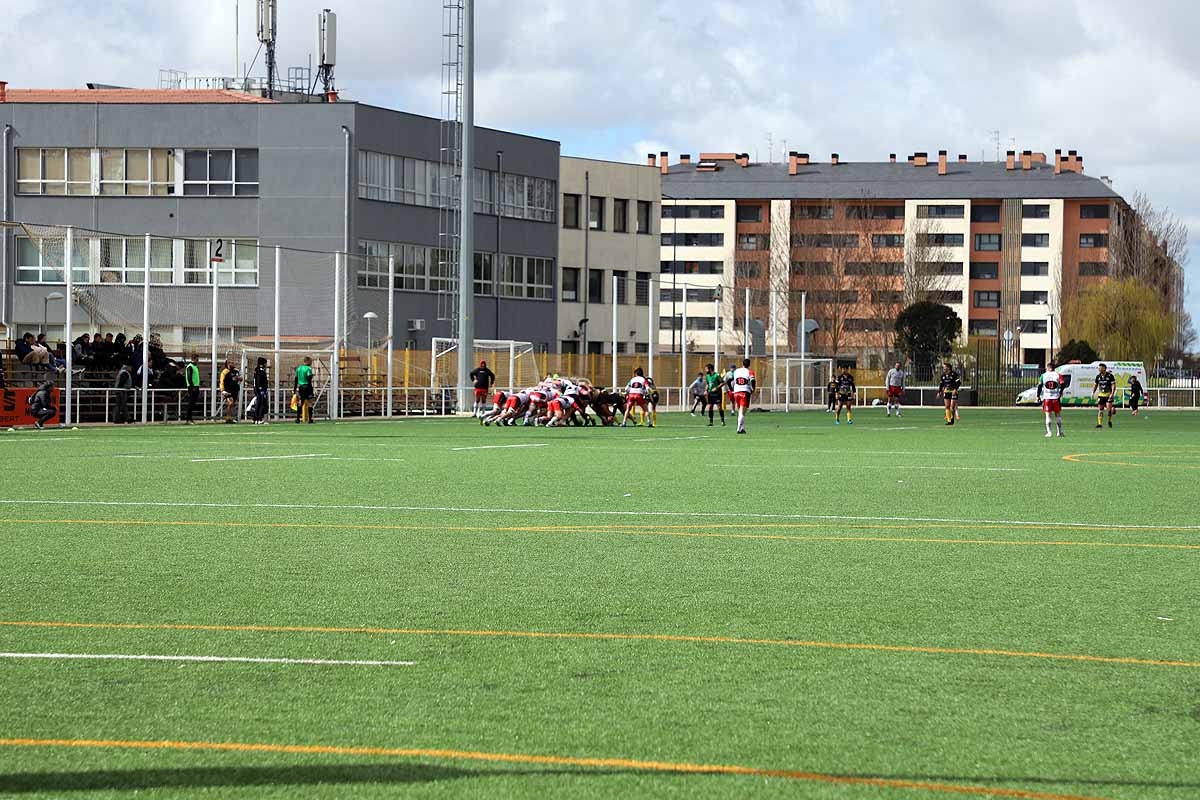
103	353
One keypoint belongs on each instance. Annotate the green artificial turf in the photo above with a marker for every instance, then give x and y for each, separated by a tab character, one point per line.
895	532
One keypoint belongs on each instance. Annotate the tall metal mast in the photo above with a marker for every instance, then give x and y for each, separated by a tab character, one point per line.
466	239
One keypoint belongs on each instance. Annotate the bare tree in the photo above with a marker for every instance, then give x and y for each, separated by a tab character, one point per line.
878	273
1150	245
926	270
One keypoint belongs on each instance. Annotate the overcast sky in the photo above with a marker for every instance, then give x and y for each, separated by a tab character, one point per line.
1120	82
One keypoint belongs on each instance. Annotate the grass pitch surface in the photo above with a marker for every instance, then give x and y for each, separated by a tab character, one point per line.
889	609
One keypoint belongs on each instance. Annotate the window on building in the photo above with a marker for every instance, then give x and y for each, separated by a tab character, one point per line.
642	289
239	265
941	239
983	327
539	278
888	296
753	241
812	212
940	211
124	261
1034	326
939	268
985	270
693	212
485	274
812	268
887	240
693	267
875	268
1093	240
442	268
838	240
1031	298
40	261
644	209
747	269
121	172
861	325
987	242
1031	269
948	297
595	286
412	266
1093	268
570	285
570	215
214	173
621	279
1035	240
596	213
669	295
143	172
512	276
569	346
985	213
620	216
693	239
1035	211
749	213
847	296
987	299
1093	211
858	211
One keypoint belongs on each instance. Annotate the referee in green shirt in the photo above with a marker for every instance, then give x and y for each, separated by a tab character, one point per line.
191	376
304	391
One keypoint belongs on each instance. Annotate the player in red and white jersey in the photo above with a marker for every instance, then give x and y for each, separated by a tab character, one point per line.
743	385
635	396
514	406
539	397
1050	391
498	400
561	409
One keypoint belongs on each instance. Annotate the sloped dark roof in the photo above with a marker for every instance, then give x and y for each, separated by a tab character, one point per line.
880	180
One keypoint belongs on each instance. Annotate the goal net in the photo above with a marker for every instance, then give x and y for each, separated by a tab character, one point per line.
805	380
281	377
512	361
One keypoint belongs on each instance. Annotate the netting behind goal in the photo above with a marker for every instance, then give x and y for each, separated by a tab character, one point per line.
512	361
804	381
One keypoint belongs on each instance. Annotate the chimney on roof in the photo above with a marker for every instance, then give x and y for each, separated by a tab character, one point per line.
793	157
833	159
891	158
1010	160
685	158
962	158
3	91
802	159
941	162
651	160
743	159
1026	159
1058	161
920	159
664	162
1039	158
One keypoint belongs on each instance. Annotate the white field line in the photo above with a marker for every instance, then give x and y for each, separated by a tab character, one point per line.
38	440
670	438
869	466
261	458
39	502
207	659
501	446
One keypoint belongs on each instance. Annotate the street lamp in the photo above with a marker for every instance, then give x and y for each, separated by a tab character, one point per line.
370	315
46	306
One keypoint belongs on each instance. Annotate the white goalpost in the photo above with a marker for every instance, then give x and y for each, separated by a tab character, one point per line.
282	365
805	379
513	362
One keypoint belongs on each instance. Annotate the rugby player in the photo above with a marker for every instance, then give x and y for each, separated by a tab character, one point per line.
712	387
895	388
1136	392
743	388
635	397
845	390
1104	391
948	387
483	379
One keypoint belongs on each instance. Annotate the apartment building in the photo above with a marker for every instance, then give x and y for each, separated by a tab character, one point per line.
189	167
1001	243
608	254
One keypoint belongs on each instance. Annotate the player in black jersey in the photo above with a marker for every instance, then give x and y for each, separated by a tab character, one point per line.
948	387
1136	392
845	390
831	396
1105	393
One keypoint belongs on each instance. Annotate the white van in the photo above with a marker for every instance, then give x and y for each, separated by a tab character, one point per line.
1080	379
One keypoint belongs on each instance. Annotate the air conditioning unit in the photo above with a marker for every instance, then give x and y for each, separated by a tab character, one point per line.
416	324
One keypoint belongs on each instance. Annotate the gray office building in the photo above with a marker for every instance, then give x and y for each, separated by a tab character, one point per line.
189	167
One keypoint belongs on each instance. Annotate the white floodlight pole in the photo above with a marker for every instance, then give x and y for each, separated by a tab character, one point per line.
746	327
649	334
683	370
275	363
466	238
614	330
803	342
391	323
67	319
216	333
717	330
335	363
146	332
512	366
774	354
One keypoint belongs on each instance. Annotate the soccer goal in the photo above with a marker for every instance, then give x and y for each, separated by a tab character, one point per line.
512	361
283	378
804	381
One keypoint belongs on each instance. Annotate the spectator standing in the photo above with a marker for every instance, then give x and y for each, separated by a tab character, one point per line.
483	379
124	388
191	379
261	381
304	391
698	391
231	387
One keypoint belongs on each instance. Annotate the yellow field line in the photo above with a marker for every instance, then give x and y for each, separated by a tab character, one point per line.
547	760
685	531
644	637
1079	458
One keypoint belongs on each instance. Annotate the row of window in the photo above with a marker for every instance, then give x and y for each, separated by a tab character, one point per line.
693	212
991	327
420	268
596	213
137	172
416	181
991	299
693	240
668	295
571	347
984	242
118	260
693	267
693	323
596	281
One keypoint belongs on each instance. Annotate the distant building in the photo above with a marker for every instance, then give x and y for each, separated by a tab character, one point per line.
1001	243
